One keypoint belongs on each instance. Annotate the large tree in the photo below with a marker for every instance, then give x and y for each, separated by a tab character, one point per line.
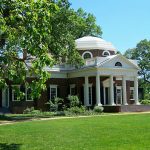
45	30
142	54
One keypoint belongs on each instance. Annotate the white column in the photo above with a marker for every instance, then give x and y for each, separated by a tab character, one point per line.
104	90
111	91
136	91
86	91
124	90
98	94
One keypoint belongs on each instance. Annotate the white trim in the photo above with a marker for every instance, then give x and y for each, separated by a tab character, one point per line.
14	91
87	52
71	87
4	97
26	95
53	86
107	52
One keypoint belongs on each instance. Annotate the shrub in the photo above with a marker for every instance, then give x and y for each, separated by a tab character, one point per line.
145	102
75	110
98	109
28	110
56	104
74	100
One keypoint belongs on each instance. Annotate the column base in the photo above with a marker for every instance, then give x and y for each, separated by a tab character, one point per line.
113	104
125	104
99	104
137	103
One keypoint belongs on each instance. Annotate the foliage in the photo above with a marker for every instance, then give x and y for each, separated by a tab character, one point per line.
75	110
98	109
28	110
73	100
142	54
56	104
145	102
44	31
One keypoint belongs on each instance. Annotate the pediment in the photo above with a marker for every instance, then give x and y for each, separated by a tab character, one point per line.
126	63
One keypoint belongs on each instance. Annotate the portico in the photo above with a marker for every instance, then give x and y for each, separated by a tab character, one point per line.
110	84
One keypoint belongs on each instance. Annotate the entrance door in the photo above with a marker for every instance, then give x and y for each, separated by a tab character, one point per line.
5	98
119	96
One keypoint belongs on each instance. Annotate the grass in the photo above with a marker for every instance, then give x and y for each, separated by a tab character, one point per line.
124	132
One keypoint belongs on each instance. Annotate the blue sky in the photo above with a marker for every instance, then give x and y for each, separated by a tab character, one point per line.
123	22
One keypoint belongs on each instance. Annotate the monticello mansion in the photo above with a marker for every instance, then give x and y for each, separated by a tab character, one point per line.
106	79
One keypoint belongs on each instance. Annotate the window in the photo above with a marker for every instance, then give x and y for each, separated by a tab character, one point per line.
15	92
72	89
90	95
87	55
28	94
53	91
131	93
106	53
118	64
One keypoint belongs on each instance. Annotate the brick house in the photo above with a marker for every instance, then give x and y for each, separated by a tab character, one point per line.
106	79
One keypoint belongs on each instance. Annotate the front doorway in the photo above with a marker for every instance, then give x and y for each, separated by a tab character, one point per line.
5	97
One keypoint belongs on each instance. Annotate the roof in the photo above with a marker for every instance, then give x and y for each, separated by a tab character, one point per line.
90	42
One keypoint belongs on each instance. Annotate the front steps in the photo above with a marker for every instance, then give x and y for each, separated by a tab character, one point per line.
127	108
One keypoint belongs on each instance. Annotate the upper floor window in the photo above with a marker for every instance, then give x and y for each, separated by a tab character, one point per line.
106	53
87	55
118	64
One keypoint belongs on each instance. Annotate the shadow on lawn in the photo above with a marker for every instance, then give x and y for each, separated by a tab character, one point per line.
12	146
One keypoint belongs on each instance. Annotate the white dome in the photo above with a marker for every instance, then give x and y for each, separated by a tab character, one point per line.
90	42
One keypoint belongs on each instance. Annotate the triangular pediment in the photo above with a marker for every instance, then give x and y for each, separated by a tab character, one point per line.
111	61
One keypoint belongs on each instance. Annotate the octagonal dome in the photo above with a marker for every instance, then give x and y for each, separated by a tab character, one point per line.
90	42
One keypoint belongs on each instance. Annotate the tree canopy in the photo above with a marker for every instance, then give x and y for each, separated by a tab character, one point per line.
142	54
44	29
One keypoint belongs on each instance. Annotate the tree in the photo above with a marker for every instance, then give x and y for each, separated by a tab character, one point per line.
142	54
45	31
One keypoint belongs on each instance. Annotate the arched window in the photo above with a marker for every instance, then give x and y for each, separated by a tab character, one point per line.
87	55
106	53
118	64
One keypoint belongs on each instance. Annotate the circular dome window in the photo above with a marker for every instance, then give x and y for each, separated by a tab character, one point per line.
106	53
87	55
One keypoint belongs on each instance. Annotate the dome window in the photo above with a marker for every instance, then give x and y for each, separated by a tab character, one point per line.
106	53
118	64
87	55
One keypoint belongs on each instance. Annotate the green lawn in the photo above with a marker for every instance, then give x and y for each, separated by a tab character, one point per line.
126	132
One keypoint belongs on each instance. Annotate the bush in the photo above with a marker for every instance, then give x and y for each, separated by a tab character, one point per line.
74	100
145	102
75	110
28	110
56	104
98	109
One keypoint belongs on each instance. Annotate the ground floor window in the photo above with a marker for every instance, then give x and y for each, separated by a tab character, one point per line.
28	94
90	95
131	93
15	92
72	89
53	91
